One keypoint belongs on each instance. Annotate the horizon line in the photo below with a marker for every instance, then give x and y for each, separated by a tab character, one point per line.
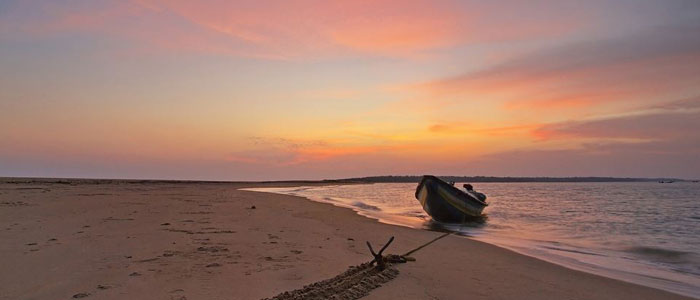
347	179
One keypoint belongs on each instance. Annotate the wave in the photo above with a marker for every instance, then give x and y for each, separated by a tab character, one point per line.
363	205
571	250
660	253
415	213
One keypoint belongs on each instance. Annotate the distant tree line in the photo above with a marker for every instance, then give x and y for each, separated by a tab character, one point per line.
416	179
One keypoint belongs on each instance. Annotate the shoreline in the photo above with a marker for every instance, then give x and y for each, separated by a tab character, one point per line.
618	270
215	245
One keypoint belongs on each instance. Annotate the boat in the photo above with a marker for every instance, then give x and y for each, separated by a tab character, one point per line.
447	204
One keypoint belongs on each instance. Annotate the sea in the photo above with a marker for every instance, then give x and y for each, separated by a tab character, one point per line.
641	232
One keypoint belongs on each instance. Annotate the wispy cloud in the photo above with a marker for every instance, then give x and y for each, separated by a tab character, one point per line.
663	122
288	152
288	29
653	141
649	64
476	129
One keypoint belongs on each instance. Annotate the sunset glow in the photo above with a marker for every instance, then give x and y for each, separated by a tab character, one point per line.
251	90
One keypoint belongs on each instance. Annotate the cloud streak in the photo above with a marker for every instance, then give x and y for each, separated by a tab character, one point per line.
652	142
300	29
657	123
652	63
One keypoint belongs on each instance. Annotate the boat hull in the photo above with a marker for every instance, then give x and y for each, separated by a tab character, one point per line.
446	203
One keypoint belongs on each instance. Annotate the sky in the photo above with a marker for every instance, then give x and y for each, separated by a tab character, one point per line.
277	90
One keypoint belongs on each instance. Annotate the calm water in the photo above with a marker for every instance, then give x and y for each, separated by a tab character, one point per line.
647	233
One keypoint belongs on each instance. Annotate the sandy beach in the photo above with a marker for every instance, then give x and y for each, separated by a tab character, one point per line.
186	240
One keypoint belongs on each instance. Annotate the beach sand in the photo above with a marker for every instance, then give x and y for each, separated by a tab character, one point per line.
179	240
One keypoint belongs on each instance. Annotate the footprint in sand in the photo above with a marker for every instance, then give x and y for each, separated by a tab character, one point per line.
80	295
213	249
176	296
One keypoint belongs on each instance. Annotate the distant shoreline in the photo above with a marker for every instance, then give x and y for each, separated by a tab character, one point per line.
358	180
398	179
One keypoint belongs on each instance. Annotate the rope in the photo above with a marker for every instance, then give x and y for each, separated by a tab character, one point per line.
426	244
464	220
461	227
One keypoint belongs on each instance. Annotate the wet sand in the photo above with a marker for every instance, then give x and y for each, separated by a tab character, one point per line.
187	240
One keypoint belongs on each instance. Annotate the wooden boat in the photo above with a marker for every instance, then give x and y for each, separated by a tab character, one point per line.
446	203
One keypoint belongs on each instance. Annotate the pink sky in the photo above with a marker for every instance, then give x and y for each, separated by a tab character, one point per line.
250	90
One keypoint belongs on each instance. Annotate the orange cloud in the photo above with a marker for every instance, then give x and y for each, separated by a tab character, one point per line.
299	28
287	152
665	122
583	76
462	128
561	102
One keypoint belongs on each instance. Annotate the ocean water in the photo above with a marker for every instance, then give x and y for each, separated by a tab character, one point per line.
645	233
